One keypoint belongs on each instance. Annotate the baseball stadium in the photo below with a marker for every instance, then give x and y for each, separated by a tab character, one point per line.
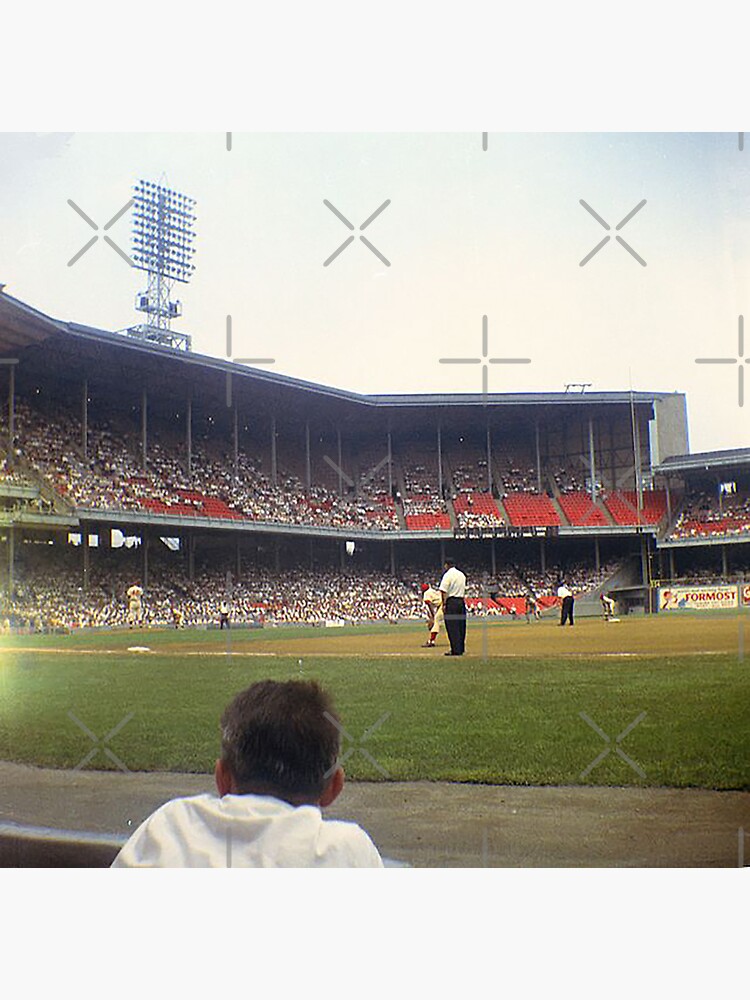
174	527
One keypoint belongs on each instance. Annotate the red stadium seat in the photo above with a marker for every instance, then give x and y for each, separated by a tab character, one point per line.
580	510
531	510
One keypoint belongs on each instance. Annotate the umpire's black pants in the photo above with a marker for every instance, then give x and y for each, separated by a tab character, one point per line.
455	624
567	610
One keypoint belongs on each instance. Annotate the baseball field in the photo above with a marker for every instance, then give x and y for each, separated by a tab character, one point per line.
660	701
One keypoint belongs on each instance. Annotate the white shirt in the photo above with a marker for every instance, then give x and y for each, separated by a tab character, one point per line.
562	591
453	583
245	831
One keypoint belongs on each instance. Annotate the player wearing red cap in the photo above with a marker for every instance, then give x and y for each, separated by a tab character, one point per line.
434	605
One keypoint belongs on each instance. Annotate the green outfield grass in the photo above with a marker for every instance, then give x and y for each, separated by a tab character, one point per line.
509	713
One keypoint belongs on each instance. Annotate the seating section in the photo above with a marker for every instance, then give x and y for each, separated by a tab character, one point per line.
484	606
704	516
580	510
531	510
430	521
623	506
111	473
191	504
48	594
476	510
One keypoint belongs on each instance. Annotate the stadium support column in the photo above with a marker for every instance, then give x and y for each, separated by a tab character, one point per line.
11	558
390	465
189	437
538	458
86	557
489	458
592	465
308	473
645	575
597	555
543	555
341	471
191	556
145	560
724	564
393	558
238	567
236	440
11	412
671	564
273	450
442	552
493	556
144	427
85	419
440	458
637	470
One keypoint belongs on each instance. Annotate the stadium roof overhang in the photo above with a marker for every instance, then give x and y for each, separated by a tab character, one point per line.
22	327
121	367
715	462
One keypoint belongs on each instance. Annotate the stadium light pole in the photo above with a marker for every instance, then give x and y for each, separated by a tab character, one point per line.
163	234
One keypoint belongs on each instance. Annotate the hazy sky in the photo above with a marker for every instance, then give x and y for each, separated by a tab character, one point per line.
469	231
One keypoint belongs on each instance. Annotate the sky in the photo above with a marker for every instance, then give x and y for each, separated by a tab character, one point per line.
475	224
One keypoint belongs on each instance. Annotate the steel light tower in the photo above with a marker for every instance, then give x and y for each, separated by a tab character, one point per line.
163	234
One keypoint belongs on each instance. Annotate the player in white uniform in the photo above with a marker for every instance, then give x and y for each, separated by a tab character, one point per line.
135	605
608	606
435	618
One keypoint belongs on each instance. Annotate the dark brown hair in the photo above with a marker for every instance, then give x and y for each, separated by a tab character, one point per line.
280	738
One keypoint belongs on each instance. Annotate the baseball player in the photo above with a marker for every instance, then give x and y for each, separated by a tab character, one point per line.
532	607
608	606
224	609
434	605
135	605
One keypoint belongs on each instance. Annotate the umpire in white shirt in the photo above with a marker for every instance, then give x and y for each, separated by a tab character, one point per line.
567	599
452	591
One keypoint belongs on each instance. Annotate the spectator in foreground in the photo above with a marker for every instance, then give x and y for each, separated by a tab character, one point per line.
278	768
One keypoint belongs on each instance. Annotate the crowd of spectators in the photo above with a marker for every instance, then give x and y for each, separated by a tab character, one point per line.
709	514
580	577
49	590
13	477
518	474
470	471
112	477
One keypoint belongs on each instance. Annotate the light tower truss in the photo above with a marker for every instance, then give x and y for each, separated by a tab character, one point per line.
163	234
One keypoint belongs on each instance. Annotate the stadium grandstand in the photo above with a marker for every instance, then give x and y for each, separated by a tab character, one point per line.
121	458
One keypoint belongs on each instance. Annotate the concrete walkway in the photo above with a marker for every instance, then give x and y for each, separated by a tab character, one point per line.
434	824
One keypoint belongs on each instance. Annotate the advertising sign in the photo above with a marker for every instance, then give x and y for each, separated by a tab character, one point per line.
699	598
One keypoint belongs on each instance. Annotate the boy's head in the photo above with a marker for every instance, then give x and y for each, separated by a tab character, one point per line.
280	738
